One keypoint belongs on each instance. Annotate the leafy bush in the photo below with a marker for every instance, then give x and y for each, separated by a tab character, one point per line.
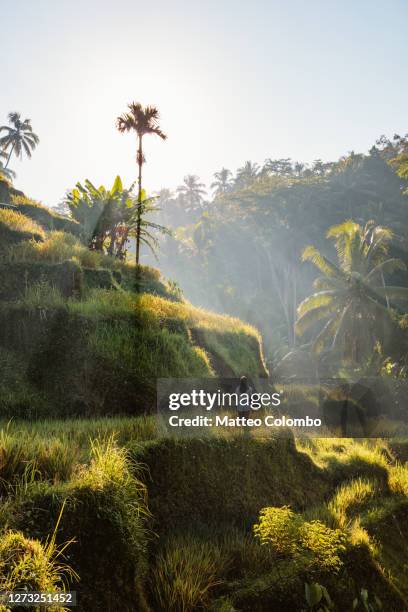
287	533
279	527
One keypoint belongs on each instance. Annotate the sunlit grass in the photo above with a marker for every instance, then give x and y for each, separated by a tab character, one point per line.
52	450
186	572
17	222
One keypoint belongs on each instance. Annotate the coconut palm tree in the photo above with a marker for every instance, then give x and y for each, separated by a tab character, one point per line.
246	174
143	121
192	192
352	299
19	137
223	182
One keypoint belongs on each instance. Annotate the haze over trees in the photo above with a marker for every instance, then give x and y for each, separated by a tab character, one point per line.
316	257
243	254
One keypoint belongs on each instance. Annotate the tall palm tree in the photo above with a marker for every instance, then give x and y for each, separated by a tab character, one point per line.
143	121
223	182
352	299
19	137
246	174
192	191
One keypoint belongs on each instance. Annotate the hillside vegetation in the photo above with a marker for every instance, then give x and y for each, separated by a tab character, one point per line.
69	313
95	497
179	522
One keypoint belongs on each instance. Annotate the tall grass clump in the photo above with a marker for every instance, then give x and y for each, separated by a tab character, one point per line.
45	458
398	479
17	222
28	565
349	498
43	295
57	247
79	433
185	574
105	512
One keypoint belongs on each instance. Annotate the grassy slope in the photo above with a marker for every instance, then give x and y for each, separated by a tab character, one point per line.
204	498
68	313
204	495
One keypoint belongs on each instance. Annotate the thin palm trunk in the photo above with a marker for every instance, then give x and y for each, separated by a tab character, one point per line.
139	199
9	157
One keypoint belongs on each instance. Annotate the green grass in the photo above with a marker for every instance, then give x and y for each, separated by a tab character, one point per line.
46	217
104	516
15	228
185	573
54	450
27	564
204	495
133	338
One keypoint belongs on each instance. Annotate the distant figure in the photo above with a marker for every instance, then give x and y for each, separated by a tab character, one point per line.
244	392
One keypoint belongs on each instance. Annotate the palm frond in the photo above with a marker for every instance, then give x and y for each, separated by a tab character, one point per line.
348	228
396	294
311	317
321	262
324	337
322	298
389	266
325	282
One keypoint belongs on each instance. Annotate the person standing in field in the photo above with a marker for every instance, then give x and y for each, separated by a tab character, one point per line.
244	392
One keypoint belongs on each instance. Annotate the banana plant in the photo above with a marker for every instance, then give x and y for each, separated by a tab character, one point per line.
109	217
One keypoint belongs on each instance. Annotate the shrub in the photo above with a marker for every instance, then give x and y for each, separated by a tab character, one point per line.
278	527
287	533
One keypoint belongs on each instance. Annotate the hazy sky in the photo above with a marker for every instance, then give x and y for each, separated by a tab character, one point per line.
233	81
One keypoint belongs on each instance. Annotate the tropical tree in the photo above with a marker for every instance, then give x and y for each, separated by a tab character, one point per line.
246	174
352	300
223	182
19	137
279	167
109	217
401	160
192	192
298	168
143	121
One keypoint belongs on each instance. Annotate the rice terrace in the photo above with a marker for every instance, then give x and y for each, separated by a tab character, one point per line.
133	294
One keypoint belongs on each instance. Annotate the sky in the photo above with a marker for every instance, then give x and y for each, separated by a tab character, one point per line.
233	81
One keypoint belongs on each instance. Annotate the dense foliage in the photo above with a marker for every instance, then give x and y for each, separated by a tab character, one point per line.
242	251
